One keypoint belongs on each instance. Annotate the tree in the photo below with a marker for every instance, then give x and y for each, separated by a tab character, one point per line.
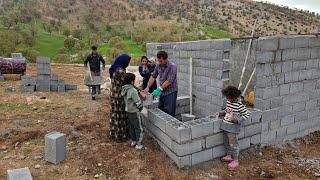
93	39
9	42
69	43
117	47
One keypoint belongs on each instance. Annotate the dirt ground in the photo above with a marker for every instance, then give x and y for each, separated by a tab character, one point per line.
26	118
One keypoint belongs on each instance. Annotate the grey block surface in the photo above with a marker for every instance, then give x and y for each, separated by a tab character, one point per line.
1	78
55	147
19	174
71	87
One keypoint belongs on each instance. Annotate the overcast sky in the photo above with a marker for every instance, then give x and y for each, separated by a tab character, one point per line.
311	5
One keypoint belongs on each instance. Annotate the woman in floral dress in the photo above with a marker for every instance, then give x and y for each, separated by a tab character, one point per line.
118	120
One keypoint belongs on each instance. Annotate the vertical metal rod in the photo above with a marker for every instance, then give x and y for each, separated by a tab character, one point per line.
190	85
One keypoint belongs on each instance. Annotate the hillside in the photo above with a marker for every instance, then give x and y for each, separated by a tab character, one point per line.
44	25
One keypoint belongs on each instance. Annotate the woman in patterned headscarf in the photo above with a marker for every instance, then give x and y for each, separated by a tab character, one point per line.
118	120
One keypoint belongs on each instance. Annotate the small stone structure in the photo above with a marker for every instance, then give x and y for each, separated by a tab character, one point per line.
286	86
45	80
19	174
55	147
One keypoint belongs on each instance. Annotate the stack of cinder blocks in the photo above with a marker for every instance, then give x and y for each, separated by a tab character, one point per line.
19	174
190	143
45	81
288	86
43	74
28	85
210	70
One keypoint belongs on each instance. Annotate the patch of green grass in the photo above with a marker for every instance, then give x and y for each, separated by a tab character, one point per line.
216	33
11	106
134	49
48	45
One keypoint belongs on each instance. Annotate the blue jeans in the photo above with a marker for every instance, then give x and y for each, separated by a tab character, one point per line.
168	103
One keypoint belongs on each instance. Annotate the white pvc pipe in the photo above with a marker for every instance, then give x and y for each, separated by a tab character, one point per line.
190	85
250	79
248	51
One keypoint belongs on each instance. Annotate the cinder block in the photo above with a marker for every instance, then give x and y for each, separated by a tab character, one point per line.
281	132
296	87
303	54
263	81
287	120
54	77
61	86
311	105
218	151
268	137
306	75
289	54
286	42
201	127
178	132
268	44
216	125
275	124
299	65
1	78
202	156
301	42
287	66
270	115
43	60
255	115
19	174
293	128
244	143
179	161
291	77
285	110
214	140
276	102
188	148
256	139
313	63
301	116
296	98
55	147
314	42
43	85
262	104
265	56
241	134
27	89
252	129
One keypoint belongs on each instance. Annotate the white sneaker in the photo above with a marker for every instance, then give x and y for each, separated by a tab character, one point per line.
139	147
133	143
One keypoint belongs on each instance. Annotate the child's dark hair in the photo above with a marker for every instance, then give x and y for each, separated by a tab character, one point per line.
94	48
128	78
162	54
231	92
144	57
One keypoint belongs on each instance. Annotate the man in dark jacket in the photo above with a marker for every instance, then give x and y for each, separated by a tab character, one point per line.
94	60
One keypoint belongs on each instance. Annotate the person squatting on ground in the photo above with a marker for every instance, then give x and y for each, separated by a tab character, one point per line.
146	68
94	60
168	89
133	108
234	116
118	126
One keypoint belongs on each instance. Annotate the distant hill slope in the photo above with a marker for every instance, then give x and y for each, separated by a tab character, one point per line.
235	16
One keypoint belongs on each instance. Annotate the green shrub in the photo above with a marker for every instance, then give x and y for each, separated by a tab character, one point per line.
30	54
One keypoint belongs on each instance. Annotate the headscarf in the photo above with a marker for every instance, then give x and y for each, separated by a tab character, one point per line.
121	61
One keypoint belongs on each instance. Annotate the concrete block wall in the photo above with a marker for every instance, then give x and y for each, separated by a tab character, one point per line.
193	142
288	86
210	70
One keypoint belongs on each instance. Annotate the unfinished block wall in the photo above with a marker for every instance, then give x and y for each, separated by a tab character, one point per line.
210	70
286	85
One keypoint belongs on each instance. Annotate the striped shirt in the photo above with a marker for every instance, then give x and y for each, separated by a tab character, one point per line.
239	112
